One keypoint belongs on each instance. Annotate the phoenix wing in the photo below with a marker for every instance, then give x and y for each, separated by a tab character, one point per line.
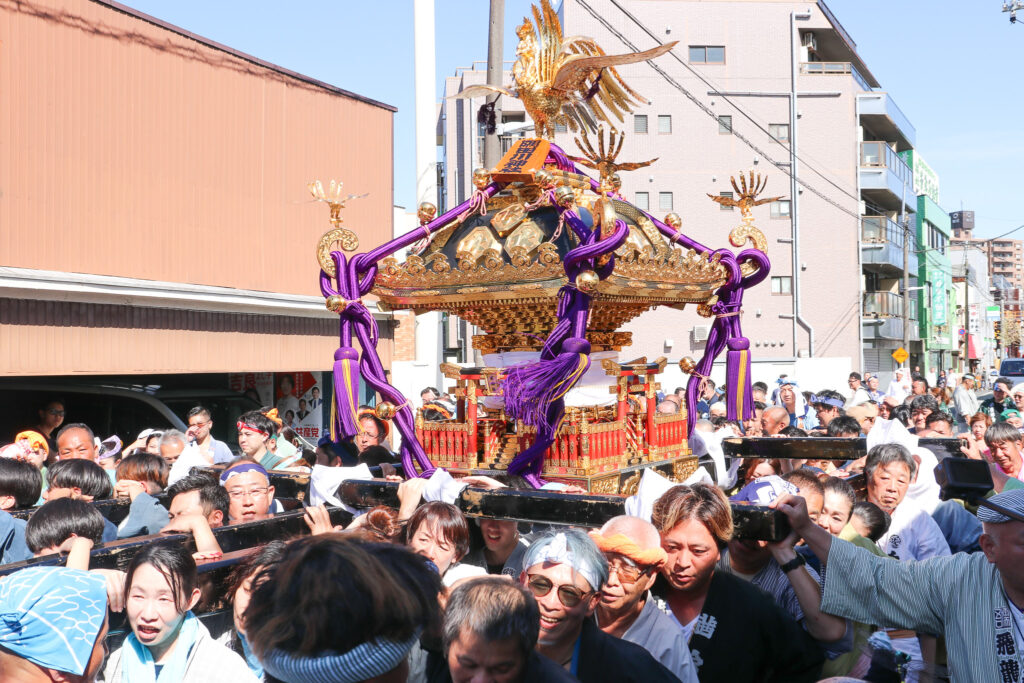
482	91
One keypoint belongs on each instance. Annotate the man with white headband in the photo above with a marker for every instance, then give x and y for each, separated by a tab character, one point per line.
565	572
975	600
251	495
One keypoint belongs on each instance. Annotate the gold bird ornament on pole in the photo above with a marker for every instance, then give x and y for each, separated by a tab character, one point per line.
569	81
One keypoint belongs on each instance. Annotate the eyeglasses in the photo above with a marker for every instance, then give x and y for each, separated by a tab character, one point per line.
569	595
55	412
627	572
238	494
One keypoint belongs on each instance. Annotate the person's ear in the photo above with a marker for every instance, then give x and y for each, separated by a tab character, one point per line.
592	602
270	493
76	493
650	580
194	600
989	546
216	517
7	502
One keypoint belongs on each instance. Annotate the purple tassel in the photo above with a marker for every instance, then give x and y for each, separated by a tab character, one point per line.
739	404
530	388
345	422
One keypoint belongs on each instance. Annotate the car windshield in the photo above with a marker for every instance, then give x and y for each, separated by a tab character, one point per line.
1012	366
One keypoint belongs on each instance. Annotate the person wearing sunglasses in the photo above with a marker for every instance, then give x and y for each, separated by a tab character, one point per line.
632	547
564	571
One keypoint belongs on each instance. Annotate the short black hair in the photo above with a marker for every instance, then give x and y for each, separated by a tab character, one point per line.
375	455
199	410
843	425
59	519
1005	381
792	431
212	495
873	517
80	474
22	480
260	421
176	565
920	378
924	402
760	385
760	405
938	416
856	376
901	413
73	426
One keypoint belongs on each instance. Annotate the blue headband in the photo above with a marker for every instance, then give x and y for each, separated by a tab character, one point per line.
227	474
364	661
783	381
834	402
51	616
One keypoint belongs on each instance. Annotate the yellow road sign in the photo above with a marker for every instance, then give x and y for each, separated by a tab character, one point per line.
900	355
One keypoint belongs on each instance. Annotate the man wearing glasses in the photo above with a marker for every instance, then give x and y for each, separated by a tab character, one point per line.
199	425
565	571
250	494
632	547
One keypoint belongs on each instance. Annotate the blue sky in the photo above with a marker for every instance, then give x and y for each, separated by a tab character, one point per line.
951	65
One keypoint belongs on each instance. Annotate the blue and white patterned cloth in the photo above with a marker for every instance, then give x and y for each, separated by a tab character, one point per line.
52	615
364	661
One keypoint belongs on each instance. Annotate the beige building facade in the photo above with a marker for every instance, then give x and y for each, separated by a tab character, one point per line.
153	201
720	105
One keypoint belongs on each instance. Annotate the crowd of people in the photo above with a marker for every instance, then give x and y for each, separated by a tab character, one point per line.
868	586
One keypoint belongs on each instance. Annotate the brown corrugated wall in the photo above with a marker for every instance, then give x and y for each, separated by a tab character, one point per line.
130	150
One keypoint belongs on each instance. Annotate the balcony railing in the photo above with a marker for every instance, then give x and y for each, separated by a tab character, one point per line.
876	154
887	305
878	229
831	68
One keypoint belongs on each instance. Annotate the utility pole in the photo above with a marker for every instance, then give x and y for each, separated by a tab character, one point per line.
495	61
967	311
906	271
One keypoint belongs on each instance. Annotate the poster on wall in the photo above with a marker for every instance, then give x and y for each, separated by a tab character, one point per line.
259	386
298	397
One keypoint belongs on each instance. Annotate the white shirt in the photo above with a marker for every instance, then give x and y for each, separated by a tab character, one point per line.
913	535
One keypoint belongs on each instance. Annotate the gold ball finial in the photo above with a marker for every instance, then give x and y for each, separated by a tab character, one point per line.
674	220
565	196
704	310
587	282
426	212
687	365
385	410
336	303
543	177
481	178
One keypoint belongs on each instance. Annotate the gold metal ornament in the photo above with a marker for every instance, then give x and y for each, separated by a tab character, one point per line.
332	196
687	365
426	212
673	220
567	81
704	310
602	159
543	177
385	410
615	180
587	282
336	303
746	199
481	178
565	196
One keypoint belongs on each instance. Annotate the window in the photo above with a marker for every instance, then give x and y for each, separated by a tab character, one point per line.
664	123
707	54
779	131
782	285
780	208
642	201
725	124
665	201
723	207
640	124
561	128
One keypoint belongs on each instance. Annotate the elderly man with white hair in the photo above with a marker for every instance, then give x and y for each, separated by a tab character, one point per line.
633	549
565	572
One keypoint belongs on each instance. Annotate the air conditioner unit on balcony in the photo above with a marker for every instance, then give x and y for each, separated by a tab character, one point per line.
700	333
810	42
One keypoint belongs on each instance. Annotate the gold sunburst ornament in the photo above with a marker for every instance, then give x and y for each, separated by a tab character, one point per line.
332	196
603	158
746	199
568	81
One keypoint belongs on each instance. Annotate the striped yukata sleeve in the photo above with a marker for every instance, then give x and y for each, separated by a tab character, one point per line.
876	590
